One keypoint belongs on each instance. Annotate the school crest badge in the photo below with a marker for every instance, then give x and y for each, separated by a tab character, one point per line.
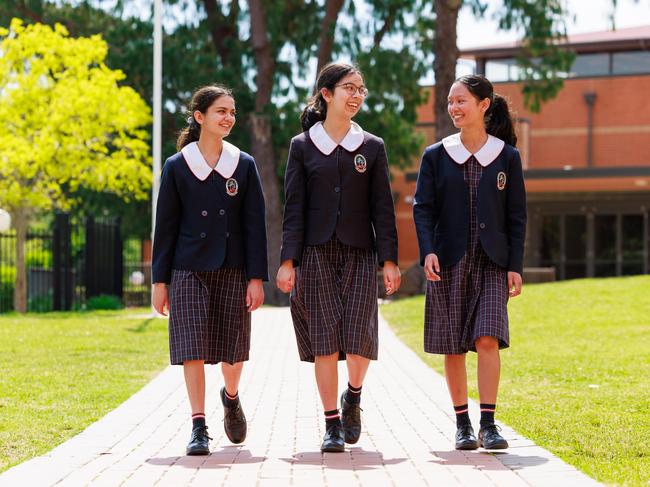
232	187
360	163
501	181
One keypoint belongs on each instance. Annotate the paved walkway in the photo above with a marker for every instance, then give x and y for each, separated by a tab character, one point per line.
406	439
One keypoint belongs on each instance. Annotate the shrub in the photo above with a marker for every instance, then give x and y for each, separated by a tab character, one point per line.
7	280
104	301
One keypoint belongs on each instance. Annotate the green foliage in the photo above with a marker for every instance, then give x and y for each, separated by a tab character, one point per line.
7	280
82	128
575	379
543	60
103	301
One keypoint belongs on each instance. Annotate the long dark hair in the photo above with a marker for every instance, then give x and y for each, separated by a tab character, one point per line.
201	101
498	120
329	76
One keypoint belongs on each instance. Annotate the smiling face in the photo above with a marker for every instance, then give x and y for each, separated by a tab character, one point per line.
465	110
345	100
219	119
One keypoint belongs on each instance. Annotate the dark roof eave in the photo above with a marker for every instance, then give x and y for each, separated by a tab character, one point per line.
586	47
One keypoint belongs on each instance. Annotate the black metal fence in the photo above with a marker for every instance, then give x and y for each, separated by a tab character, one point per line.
73	262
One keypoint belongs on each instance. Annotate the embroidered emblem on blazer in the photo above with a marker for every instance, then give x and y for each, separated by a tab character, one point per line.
232	187
501	181
360	163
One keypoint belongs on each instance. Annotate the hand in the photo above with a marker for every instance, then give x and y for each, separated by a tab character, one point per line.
432	267
254	295
160	298
514	284
286	277
392	277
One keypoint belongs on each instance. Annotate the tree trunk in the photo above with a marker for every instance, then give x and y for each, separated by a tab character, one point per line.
20	290
445	51
327	31
262	144
224	31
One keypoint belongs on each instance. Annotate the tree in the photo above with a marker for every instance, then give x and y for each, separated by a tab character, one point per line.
542	57
66	123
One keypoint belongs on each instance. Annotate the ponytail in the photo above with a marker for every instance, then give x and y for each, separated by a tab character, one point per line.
498	121
315	111
189	134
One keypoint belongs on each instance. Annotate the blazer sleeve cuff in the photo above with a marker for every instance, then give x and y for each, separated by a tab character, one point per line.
161	276
291	253
516	264
386	255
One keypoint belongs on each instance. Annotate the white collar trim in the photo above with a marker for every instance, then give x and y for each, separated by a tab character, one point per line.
351	142
485	155
226	165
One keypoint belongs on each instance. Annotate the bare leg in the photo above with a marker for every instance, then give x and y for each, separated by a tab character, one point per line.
327	379
456	375
195	383
357	368
488	369
231	375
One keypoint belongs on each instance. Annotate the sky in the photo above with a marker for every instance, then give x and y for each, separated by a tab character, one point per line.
588	16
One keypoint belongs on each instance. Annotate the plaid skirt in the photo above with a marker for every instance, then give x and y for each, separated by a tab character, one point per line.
334	302
470	301
208	318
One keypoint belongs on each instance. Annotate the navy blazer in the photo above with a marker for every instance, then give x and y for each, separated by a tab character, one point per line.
344	193
201	225
441	208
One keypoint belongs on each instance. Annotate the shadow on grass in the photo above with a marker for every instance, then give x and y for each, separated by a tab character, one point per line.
142	327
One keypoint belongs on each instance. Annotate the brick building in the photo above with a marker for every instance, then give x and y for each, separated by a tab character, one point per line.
586	157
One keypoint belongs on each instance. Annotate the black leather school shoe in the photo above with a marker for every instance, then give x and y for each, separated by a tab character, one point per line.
333	441
351	420
234	420
490	439
465	439
199	442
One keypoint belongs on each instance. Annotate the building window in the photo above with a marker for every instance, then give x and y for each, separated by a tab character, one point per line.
634	62
576	246
632	244
590	65
550	248
605	245
502	70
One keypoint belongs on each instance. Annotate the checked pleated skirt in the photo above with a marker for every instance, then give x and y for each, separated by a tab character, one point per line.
334	301
208	317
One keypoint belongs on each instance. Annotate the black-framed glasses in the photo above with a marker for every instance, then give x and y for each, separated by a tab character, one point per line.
351	89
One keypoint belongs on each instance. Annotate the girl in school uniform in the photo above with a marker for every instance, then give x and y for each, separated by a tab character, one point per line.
470	217
339	224
209	257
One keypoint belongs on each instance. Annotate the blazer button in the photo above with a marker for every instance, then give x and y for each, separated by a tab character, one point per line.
222	212
227	234
337	190
482	225
204	213
203	235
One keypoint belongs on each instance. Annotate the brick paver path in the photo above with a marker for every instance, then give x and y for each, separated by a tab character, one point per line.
406	439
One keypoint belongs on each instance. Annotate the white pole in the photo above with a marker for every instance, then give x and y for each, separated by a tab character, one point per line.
157	107
157	113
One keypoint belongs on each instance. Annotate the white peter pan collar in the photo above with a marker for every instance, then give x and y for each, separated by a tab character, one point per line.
351	142
485	155
226	164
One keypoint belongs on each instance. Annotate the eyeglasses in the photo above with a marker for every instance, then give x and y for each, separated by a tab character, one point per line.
351	89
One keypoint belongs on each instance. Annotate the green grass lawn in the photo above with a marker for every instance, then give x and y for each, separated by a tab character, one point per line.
59	372
576	379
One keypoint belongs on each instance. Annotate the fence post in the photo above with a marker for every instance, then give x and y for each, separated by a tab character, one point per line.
118	262
90	273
